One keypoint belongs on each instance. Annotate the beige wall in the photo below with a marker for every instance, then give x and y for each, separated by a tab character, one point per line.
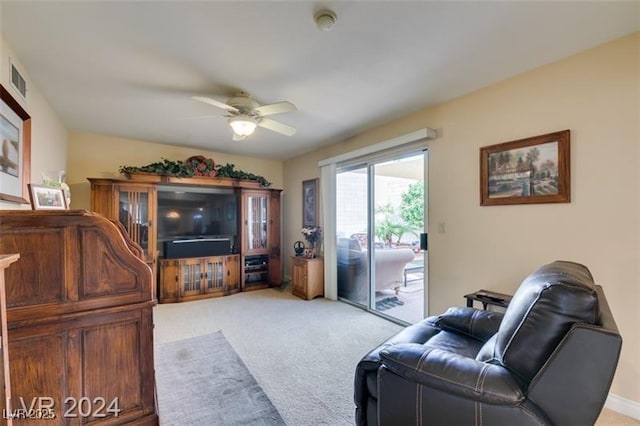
92	155
48	134
595	94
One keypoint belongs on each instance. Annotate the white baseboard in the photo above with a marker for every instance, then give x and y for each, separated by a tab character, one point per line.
623	406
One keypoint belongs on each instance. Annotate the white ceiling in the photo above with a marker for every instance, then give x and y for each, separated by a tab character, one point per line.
129	68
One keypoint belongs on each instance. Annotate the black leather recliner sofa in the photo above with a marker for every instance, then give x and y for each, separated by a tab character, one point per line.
548	360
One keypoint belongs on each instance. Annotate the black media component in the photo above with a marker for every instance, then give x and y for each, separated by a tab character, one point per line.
256	269
199	247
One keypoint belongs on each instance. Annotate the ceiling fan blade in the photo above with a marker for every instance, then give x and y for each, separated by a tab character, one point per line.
215	103
276	108
276	126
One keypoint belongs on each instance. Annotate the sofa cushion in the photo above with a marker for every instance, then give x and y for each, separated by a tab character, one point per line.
455	342
551	299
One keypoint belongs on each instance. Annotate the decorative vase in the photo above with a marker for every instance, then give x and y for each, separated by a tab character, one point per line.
56	179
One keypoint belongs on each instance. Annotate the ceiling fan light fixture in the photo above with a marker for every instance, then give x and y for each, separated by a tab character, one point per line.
243	125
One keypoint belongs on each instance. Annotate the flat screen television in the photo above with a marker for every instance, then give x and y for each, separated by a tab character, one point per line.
186	213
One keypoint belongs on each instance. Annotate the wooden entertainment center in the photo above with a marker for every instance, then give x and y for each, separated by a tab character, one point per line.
254	259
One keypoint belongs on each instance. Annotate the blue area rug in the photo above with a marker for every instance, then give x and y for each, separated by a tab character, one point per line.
202	381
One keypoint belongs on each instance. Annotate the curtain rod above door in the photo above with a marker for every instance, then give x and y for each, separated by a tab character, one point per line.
410	138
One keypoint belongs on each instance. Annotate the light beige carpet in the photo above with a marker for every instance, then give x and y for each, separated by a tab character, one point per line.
302	353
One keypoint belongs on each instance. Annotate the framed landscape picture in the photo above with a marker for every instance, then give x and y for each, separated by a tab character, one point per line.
526	171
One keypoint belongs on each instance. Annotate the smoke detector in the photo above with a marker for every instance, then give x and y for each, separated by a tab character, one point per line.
325	19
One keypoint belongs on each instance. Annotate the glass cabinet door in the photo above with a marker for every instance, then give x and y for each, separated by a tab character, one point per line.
214	275
191	276
256	222
133	213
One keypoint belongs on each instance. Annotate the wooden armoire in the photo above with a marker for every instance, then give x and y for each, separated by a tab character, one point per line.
79	314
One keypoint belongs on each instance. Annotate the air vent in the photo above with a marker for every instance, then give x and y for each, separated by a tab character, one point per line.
18	81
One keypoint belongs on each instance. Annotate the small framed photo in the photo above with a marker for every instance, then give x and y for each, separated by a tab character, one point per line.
526	171
310	203
47	197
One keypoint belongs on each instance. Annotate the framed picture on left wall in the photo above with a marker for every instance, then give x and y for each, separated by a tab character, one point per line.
15	149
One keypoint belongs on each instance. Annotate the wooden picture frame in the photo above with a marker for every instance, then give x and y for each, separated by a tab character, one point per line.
15	149
47	197
526	171
309	203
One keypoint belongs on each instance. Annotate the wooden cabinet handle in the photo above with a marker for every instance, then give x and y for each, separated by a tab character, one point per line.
228	272
177	279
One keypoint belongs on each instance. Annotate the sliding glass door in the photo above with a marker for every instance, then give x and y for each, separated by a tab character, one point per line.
379	217
352	226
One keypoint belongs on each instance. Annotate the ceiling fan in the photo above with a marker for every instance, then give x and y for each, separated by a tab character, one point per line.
245	114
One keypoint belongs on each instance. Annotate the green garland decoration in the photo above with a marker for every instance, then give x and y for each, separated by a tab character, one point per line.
195	166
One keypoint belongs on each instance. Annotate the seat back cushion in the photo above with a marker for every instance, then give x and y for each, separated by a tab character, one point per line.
541	312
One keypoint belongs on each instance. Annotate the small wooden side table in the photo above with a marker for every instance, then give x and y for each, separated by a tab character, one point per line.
307	277
487	298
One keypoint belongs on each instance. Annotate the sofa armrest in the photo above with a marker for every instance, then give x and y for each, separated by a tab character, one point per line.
453	373
365	389
417	333
475	323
